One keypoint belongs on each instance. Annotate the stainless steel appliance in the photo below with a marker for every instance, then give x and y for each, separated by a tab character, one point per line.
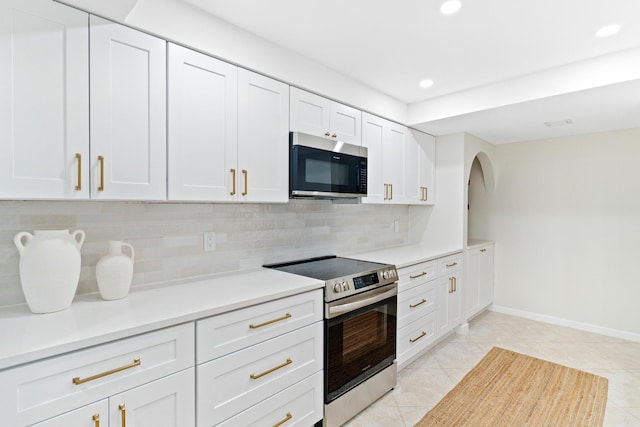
326	169
360	331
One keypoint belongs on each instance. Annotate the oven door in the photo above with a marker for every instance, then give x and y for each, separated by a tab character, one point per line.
360	338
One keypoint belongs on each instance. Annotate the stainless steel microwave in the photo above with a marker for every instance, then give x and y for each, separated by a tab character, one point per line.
323	168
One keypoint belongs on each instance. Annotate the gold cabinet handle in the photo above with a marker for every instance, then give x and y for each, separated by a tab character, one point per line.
255	377
79	184
233	179
78	380
426	194
286	418
327	133
391	192
386	192
483	250
124	415
455	284
279	319
453	264
418	304
422	335
246	182
96	420
335	135
101	186
450	285
424	273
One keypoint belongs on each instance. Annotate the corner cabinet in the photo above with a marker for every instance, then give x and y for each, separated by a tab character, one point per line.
479	278
44	113
128	113
315	115
386	143
420	168
228	131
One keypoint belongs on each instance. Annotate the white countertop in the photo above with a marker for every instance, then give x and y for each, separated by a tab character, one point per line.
472	243
26	337
404	256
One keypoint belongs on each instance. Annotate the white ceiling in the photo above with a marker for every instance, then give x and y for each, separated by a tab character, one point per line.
392	45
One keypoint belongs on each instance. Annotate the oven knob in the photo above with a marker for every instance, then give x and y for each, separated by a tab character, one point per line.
337	288
345	286
385	274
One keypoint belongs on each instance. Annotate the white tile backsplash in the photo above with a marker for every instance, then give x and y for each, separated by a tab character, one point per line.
168	237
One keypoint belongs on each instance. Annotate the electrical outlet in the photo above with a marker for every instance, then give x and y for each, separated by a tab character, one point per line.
209	241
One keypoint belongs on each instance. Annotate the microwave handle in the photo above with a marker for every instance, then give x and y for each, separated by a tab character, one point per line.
339	309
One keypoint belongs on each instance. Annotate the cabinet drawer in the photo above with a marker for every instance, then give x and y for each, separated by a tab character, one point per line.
43	389
416	337
416	302
228	385
449	264
87	416
416	275
300	405
229	332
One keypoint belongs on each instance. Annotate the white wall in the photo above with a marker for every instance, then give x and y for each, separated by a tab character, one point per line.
567	224
441	226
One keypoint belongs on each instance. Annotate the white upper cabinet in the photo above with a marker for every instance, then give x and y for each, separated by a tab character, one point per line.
386	143
203	126
128	113
44	112
320	116
420	168
228	131
263	138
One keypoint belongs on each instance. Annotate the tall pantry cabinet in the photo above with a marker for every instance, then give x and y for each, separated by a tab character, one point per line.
44	112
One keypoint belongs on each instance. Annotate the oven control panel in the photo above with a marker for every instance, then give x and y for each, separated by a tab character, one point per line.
339	288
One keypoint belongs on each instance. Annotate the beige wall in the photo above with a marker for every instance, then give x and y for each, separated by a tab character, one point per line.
566	220
168	240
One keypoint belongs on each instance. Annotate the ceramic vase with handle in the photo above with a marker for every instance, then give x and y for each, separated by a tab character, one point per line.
49	268
114	271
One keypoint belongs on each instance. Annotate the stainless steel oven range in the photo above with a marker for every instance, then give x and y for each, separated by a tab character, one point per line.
360	331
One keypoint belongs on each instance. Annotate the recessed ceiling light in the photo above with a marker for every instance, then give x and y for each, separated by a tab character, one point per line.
607	31
426	83
450	7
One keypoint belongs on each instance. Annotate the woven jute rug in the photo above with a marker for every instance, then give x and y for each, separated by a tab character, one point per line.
512	389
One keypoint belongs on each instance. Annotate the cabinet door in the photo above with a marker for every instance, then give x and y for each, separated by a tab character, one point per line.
167	402
419	168
346	124
472	292
203	123
44	113
263	138
94	415
449	308
310	113
128	113
393	162
485	275
373	129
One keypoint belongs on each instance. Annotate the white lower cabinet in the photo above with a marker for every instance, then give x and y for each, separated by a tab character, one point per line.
479	278
278	352
45	389
429	305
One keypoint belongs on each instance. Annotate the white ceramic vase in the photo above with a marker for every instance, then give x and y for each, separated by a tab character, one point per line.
49	268
114	271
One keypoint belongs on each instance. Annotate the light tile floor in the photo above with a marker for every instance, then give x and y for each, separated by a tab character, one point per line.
424	382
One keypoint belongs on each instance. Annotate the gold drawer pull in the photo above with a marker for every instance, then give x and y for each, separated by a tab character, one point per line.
418	304
79	158
450	285
255	377
455	284
78	381
96	419
124	415
483	250
233	178
422	335
286	418
424	273
452	264
279	319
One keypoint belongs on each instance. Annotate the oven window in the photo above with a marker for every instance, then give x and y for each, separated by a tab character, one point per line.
359	344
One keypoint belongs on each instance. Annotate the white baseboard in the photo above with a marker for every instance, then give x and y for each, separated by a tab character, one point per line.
564	322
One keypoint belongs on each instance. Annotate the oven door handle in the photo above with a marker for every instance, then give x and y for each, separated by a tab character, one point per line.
339	309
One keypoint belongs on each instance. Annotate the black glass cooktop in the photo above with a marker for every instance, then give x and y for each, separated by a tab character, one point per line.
327	268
